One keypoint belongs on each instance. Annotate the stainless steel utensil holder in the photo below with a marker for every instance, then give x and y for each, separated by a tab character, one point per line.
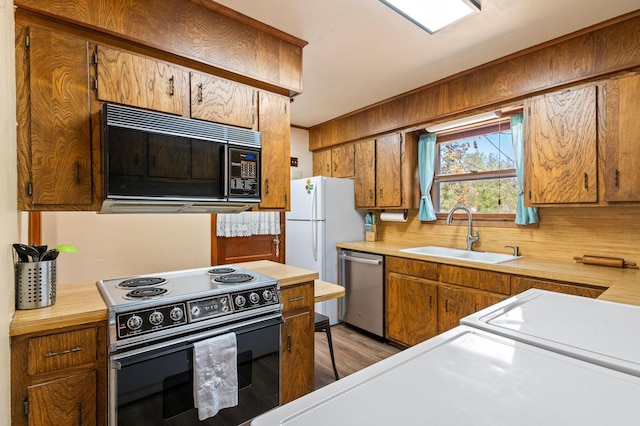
35	284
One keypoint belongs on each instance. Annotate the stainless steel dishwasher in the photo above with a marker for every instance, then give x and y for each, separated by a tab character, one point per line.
362	275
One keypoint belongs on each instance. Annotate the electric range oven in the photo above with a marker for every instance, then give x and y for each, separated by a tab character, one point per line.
154	322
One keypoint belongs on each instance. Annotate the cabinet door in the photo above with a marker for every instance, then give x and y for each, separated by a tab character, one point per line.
56	150
322	163
388	173
560	147
223	101
411	309
365	174
67	401
621	135
274	118
454	303
142	82
342	158
297	370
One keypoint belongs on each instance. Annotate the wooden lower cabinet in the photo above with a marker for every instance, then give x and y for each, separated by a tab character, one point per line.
520	284
67	401
59	377
411	309
455	303
297	370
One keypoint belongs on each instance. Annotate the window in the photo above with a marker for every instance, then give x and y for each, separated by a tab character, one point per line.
476	168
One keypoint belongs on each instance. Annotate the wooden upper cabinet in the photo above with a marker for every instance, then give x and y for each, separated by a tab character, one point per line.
365	174
53	111
223	101
322	163
342	161
273	123
388	176
336	162
561	147
143	82
620	139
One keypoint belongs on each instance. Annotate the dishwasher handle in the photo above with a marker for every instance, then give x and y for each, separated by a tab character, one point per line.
361	259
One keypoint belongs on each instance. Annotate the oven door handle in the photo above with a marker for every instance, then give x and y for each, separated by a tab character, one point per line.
149	352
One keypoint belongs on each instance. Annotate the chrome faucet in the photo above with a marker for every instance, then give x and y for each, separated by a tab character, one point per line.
470	237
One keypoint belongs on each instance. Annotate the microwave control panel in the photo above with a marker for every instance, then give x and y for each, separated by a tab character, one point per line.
244	172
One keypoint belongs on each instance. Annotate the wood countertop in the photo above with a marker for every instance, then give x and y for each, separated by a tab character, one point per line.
81	303
623	285
76	304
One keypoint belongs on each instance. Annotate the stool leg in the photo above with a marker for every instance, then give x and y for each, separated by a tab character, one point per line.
333	360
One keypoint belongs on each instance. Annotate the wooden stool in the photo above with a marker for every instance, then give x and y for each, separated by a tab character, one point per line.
322	324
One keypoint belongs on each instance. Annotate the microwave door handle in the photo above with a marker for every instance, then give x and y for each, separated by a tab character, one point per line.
226	171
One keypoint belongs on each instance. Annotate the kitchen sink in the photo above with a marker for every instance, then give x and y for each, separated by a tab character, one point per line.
452	253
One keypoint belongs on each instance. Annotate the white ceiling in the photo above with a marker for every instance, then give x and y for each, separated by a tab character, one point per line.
361	52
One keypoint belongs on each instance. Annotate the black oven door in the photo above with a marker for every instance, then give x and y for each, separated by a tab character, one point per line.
155	386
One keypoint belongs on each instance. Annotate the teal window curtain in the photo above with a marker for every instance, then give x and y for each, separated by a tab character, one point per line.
426	168
524	215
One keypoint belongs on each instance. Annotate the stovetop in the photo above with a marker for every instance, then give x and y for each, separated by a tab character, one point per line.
148	290
158	306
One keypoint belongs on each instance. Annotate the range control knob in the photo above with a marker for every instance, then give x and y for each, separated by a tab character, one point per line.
176	314
240	300
267	295
156	318
254	298
134	322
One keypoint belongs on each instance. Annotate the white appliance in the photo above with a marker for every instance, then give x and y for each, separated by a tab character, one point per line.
322	215
467	376
597	331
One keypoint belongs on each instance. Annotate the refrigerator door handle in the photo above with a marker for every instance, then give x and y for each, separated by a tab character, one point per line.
314	224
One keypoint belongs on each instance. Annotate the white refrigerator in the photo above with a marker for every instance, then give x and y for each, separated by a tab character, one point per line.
322	215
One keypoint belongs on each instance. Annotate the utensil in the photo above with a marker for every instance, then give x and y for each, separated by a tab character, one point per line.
49	255
25	252
41	249
614	262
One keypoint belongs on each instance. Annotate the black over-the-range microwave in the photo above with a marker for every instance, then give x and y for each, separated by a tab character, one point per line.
160	163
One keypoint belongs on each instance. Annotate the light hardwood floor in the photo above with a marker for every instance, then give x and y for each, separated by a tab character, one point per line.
353	351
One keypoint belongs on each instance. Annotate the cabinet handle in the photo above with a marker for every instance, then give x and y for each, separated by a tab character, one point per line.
617	178
172	85
200	93
79	413
266	186
335	167
430	301
586	181
446	305
289	343
68	351
296	299
77	173
328	168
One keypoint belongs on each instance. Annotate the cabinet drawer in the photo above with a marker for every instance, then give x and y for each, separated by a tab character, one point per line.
520	284
62	350
414	268
297	298
475	278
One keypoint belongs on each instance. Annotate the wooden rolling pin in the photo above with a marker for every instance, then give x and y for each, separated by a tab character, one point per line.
614	262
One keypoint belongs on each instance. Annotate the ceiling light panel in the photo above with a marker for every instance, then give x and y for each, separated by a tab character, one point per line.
432	15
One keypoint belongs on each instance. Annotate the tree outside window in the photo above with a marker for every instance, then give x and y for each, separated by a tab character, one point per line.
476	169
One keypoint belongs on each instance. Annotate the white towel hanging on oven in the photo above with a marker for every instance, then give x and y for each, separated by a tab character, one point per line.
215	375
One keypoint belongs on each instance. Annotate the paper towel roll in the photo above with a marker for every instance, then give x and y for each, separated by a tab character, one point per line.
394	216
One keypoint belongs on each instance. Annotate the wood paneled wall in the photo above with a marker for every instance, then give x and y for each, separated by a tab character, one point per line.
561	234
196	30
588	54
